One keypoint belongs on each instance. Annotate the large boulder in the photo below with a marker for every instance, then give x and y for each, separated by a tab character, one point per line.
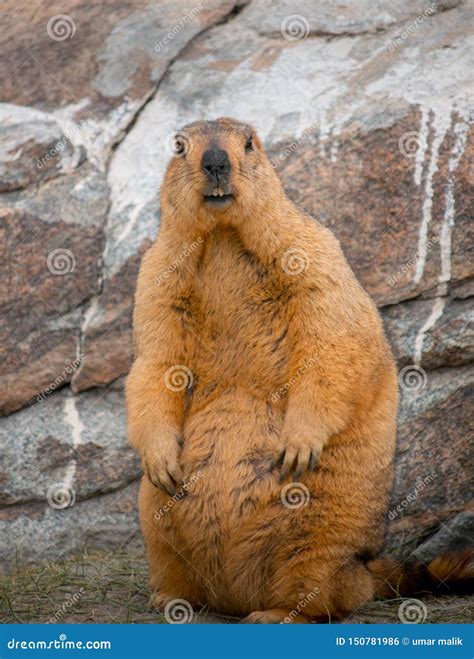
364	112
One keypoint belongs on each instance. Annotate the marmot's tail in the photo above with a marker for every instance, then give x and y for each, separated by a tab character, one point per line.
450	574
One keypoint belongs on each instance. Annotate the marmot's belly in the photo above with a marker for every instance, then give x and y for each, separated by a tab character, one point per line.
237	521
229	446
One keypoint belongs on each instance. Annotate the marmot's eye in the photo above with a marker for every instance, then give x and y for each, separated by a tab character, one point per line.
249	144
179	147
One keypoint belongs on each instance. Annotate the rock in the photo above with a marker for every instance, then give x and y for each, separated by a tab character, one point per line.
329	18
371	136
33	148
455	535
53	242
434	460
75	442
38	533
95	66
436	332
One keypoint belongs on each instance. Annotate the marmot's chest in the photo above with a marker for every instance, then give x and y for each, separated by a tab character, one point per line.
241	324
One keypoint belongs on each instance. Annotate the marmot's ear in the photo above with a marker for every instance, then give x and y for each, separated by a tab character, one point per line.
254	137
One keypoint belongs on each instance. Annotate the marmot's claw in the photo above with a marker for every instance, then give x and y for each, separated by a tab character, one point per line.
296	461
163	473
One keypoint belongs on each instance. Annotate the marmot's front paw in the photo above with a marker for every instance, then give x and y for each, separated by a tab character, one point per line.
161	466
299	452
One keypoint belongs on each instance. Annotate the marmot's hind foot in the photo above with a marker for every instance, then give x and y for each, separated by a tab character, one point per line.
275	617
161	601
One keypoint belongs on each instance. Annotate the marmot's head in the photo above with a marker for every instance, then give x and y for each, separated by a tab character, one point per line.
218	164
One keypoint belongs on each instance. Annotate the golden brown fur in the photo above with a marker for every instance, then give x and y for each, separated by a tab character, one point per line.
292	379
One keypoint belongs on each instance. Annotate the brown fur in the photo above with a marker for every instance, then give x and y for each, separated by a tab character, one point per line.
450	574
245	327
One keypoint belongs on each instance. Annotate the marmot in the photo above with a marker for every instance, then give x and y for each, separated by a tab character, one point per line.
263	398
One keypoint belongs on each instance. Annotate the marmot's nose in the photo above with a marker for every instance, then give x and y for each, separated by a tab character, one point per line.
215	163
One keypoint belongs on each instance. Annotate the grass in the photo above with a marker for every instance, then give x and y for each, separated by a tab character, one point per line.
112	588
